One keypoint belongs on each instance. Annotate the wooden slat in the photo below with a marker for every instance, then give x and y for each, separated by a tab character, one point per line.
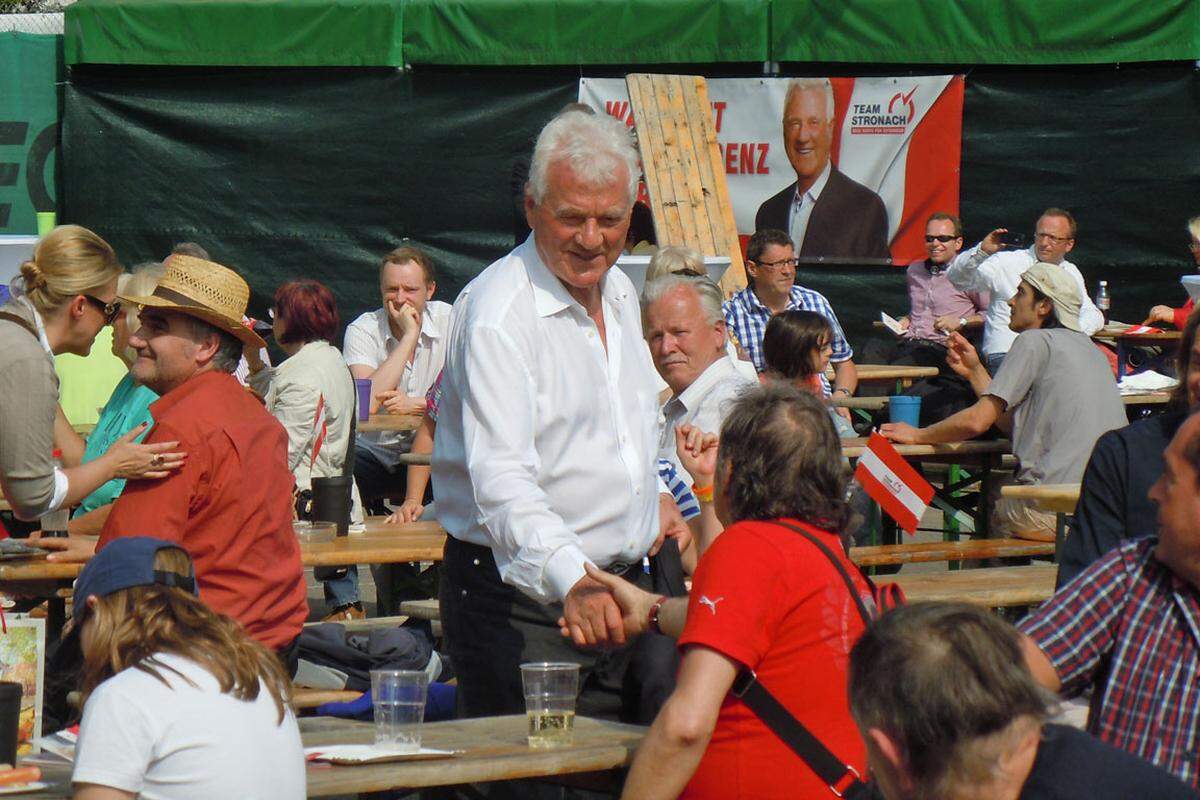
964	550
1061	498
853	448
311	698
997	587
685	175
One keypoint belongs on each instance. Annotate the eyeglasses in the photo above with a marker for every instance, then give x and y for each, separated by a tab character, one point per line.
943	238
110	310
1051	237
780	264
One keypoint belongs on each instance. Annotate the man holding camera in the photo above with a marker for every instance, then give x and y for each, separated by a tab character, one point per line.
989	267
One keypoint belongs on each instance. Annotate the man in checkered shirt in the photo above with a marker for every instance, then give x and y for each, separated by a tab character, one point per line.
771	265
1129	628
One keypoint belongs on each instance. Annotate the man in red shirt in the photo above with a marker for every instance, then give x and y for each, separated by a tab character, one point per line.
230	504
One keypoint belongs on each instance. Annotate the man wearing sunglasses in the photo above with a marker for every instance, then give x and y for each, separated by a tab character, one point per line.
988	267
937	307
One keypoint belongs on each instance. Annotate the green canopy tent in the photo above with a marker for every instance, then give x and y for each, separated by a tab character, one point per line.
309	136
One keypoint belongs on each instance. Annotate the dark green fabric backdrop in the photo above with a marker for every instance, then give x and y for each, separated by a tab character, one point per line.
312	172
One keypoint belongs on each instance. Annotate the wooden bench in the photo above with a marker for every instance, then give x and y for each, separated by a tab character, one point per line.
996	587
962	550
311	698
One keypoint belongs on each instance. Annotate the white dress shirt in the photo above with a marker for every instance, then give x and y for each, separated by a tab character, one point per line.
369	341
1000	273
546	441
802	208
704	403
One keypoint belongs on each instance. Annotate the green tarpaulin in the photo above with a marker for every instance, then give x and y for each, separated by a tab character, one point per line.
627	32
30	72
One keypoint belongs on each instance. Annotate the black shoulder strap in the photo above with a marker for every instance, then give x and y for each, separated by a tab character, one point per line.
348	461
841	778
4	315
867	616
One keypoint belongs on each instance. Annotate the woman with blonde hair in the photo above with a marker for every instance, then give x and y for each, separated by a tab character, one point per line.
65	295
178	701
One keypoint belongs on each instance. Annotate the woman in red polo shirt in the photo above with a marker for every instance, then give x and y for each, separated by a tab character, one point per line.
765	598
1178	316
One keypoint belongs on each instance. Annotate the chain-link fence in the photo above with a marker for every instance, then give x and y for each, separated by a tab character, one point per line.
32	16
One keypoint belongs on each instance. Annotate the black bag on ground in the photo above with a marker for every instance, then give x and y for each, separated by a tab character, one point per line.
356	654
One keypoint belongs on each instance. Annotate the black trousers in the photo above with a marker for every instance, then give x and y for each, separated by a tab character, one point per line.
490	629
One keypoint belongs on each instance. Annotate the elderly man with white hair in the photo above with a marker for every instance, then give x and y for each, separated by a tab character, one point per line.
544	459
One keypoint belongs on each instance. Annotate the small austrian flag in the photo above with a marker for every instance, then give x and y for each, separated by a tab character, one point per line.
1139	330
893	483
320	429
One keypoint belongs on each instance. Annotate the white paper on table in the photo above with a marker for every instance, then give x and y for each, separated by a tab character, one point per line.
1147	381
370	754
891	323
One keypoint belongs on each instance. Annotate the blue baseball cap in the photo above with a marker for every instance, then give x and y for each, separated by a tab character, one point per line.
122	563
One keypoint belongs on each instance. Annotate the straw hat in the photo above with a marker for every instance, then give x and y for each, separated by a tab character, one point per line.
206	290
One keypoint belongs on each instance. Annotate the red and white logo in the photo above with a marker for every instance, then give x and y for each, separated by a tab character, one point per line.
873	118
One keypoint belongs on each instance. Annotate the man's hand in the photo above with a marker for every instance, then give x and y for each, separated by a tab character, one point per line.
844	413
404	317
409	511
1161	314
993	241
591	616
671	525
961	355
697	452
72	549
633	602
948	323
394	401
900	432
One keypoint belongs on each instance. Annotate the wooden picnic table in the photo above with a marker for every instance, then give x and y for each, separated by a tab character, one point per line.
489	749
853	448
390	422
904	375
380	543
1125	340
994	587
880	403
1060	498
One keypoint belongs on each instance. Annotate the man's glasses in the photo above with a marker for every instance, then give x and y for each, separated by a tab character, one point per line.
780	264
943	238
1052	238
110	310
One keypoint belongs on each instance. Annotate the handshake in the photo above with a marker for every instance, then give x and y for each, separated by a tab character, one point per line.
603	610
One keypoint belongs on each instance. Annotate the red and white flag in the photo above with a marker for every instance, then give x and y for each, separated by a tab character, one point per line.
893	483
1138	330
320	428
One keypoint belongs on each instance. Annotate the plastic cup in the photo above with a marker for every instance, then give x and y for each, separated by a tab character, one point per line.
903	408
550	692
398	699
363	387
46	220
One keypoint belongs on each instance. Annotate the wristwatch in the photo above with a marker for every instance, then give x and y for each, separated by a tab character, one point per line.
652	617
843	389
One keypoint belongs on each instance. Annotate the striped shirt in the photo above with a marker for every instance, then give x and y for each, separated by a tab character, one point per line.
747	317
689	506
1128	627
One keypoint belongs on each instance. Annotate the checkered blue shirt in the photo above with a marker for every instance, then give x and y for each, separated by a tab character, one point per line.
746	317
1129	628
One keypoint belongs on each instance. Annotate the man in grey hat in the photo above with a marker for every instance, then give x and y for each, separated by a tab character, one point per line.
1054	395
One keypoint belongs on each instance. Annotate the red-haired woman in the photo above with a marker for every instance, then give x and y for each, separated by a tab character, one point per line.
306	320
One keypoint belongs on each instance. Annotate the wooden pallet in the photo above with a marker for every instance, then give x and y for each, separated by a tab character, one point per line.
685	174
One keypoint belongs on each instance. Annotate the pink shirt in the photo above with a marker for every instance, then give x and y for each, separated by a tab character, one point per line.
932	296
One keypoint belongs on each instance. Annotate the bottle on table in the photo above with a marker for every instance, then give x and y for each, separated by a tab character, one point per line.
54	524
1103	299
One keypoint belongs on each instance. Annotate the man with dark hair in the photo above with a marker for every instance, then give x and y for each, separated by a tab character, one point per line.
230	505
1127	628
771	264
400	348
1114	497
988	268
1036	397
949	710
827	214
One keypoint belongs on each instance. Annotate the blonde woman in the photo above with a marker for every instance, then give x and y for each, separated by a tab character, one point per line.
178	701
65	295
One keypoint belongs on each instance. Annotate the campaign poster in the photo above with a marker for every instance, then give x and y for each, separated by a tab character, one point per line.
850	168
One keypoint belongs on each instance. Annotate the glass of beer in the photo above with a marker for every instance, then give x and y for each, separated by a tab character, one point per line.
550	692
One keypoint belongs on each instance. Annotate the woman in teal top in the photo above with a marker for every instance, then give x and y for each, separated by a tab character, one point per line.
127	407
